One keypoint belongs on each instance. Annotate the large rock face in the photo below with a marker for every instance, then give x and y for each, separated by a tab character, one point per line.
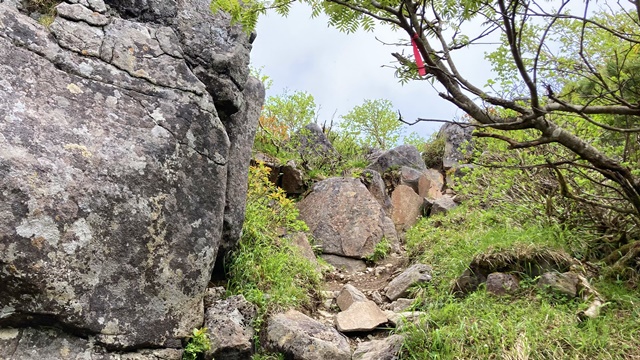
344	218
115	162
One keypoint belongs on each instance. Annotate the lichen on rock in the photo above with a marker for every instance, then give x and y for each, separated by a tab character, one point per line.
115	167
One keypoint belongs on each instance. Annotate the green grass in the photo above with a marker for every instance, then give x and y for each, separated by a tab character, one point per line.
527	325
267	268
380	251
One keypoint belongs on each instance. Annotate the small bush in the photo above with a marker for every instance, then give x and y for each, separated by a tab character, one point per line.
380	251
433	151
198	344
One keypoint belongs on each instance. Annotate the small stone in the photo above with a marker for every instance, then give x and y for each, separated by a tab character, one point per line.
327	304
212	295
399	318
501	284
442	205
230	324
348	296
564	284
401	305
301	337
360	316
377	298
385	349
325	314
399	286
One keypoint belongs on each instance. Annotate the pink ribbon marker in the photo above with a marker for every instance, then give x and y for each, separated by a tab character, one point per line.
416	54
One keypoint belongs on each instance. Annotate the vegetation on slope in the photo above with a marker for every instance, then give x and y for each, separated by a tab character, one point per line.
527	325
267	268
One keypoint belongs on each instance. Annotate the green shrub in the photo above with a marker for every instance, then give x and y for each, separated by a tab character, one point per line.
198	344
433	151
380	251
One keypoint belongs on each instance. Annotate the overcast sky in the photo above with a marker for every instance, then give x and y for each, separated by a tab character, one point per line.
342	70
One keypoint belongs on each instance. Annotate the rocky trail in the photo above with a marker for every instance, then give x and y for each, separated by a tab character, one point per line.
361	301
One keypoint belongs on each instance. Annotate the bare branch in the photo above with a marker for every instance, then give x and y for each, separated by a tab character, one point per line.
513	144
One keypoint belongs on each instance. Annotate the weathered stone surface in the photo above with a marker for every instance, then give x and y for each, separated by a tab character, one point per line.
344	263
457	141
113	162
407	206
397	319
373	181
442	205
79	12
212	295
404	155
417	273
348	295
301	241
352	224
560	283
301	337
501	284
292	179
410	177
384	349
241	129
95	5
360	316
230	324
314	144
401	305
430	184
52	344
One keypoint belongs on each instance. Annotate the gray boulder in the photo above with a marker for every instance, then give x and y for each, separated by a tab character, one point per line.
410	177
400	305
384	349
442	205
565	284
457	141
345	264
241	129
114	162
349	295
376	186
344	218
404	155
230	324
303	338
399	286
217	55
360	316
292	179
53	344
314	144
